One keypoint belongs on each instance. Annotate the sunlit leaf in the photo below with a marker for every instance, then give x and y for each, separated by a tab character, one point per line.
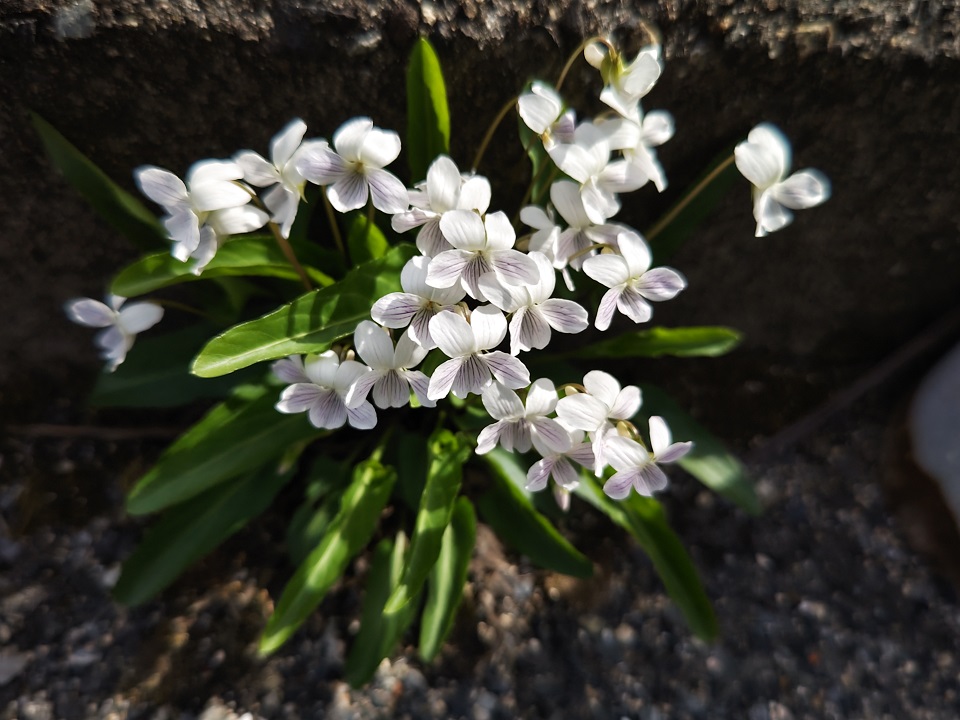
365	241
327	480
428	119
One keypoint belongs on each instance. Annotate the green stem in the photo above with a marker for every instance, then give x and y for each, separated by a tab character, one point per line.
287	250
492	129
174	305
576	53
663	222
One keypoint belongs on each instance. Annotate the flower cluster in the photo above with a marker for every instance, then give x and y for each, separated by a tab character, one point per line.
474	282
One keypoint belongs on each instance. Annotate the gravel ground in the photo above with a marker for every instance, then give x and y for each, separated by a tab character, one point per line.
826	613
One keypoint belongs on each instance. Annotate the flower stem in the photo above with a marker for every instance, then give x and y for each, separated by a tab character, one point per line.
492	129
370	210
173	304
334	228
663	222
287	250
589	248
576	53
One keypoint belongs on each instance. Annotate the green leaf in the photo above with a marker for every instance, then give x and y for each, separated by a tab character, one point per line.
645	520
187	533
309	324
411	462
379	633
118	207
366	241
448	452
242	432
449	574
512	516
658	341
156	373
709	461
694	206
428	119
321	503
347	535
242	256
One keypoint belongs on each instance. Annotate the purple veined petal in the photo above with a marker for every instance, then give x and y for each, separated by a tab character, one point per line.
528	330
347	374
564	316
443	184
507	370
477	266
448	267
547	450
803	189
583	455
502	403
256	170
359	390
626	404
321	165
565	196
608	304
464	230
541	398
395	310
408	353
184	229
162	186
430	241
660	283
489	437
349	192
218	195
373	345
421	386
389	194
349	137
769	214
362	417
290	370
632	304
89	312
285	143
508	298
473	377
674	452
764	157
650	479
515	436
603	386
500	233
623	453
207	172
328	411
551	433
635	252
299	397
136	317
453	335
474	194
539	474
489	327
570	246
237	220
415	217
391	390
442	379
379	148
606	269
514	268
565	474
619	485
419	329
598	203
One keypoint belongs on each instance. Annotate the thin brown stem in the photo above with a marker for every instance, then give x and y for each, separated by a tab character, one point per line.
589	248
291	257
491	130
334	228
690	197
576	53
173	304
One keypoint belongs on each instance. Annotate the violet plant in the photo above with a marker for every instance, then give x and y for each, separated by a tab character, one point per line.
446	335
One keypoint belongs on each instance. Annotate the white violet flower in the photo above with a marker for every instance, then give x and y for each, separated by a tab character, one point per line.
391	378
627	84
515	424
121	323
556	462
320	386
637	142
764	159
541	110
354	171
636	466
631	281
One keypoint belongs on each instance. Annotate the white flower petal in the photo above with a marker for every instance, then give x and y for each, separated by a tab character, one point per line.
361	388
379	148
91	313
507	370
391	390
502	403
217	196
290	370
764	157
575	161
322	369
649	480
475	194
514	268
582	412
551	433
184	229
489	437
541	397
635	252
661	283
538	474
608	306
606	269
395	310
347	374
473	377
161	186
349	137
443	378
565	474
627	403
770	215
212	172
362	417
500	233
674	452
415	217
631	303
283	204
528	330
453	336
540	108
489	327
256	170
408	353
137	317
443	184
464	230
448	267
348	193
430	241
565	196
300	397
237	220
373	345
508	298
421	386
565	316
603	386
389	194
622	453
321	165
618	486
285	143
803	189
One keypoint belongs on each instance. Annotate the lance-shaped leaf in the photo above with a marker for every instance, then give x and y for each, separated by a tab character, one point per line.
347	535
327	482
709	461
156	373
510	512
428	119
309	324
659	341
445	587
366	241
694	206
194	529
379	632
242	432
448	452
242	256
115	205
645	520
